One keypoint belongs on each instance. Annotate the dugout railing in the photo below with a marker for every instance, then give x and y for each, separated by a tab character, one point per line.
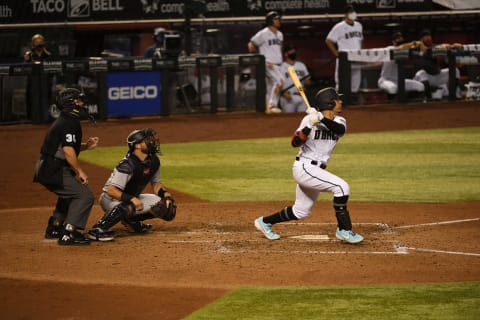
134	86
468	56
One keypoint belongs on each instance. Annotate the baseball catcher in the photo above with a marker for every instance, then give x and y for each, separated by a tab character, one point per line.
316	137
122	198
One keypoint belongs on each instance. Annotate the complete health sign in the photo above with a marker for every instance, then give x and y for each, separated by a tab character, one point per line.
133	93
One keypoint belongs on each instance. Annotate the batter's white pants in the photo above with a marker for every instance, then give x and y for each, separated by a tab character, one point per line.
274	83
311	180
436	80
295	104
391	87
356	77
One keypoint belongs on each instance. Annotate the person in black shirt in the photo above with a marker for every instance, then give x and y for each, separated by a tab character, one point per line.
38	52
122	198
59	170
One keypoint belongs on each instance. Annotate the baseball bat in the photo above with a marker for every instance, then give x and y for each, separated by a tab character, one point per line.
298	85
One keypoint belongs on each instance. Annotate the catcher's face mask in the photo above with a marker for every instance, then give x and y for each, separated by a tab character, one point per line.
152	142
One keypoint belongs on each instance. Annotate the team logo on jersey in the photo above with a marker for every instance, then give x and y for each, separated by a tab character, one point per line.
78	8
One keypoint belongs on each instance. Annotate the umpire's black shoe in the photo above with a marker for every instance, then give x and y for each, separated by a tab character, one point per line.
73	238
54	229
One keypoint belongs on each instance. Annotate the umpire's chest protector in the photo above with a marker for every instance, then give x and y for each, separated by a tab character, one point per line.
142	173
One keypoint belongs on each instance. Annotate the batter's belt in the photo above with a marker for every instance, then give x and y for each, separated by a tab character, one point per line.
312	162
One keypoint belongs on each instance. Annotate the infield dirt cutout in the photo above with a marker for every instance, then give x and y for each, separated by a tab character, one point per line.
211	248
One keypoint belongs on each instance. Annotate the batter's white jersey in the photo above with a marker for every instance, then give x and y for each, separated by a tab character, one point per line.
321	141
269	44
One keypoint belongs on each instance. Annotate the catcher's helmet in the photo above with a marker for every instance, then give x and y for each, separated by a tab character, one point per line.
147	135
270	16
325	99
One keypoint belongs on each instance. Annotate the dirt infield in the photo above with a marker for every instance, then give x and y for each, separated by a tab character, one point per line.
211	248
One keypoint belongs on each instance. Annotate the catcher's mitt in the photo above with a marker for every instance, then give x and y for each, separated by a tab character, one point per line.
165	209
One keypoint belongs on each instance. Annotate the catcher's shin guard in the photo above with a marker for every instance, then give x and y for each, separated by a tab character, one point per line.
341	212
113	216
139	217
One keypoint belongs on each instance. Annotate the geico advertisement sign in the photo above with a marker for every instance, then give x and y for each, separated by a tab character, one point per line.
133	93
136	92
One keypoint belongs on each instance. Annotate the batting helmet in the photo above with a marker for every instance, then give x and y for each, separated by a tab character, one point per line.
270	16
325	99
147	135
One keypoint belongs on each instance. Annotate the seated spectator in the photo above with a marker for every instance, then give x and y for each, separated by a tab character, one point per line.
430	71
388	80
38	52
290	99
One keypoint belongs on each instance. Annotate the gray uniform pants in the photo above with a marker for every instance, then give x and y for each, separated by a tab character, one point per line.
81	200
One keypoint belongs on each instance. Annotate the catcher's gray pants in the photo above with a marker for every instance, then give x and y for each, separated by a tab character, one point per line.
81	200
148	199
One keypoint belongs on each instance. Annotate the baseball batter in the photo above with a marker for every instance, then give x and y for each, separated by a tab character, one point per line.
290	100
122	198
268	42
346	35
388	80
317	137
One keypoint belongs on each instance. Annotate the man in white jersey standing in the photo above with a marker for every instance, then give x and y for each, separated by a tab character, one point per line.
317	135
346	35
268	42
388	80
290	99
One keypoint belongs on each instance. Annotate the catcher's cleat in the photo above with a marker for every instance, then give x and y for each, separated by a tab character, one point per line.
98	234
137	226
348	236
54	229
72	238
266	229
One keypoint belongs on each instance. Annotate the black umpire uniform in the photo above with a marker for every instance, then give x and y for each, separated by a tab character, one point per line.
75	199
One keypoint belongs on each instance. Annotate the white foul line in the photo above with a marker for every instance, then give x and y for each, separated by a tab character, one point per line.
442	251
437	223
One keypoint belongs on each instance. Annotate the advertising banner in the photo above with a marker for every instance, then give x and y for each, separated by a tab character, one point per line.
133	93
31	11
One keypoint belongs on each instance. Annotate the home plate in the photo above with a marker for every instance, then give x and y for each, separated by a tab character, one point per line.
311	237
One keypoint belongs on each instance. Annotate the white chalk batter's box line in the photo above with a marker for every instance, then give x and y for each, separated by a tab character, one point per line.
398	248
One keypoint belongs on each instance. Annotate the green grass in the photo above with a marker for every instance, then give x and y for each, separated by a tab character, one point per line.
436	301
402	166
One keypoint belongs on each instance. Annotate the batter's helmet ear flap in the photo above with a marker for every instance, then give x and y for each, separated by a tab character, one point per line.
270	17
